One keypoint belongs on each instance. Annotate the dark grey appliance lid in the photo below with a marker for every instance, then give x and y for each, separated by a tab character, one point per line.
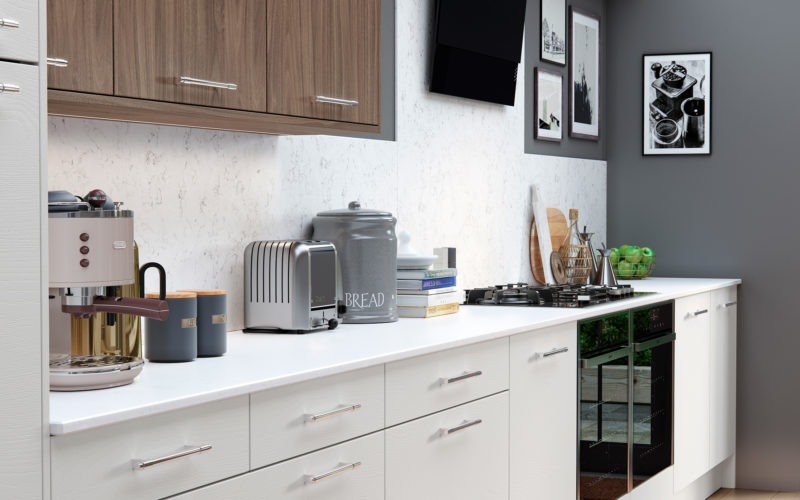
354	210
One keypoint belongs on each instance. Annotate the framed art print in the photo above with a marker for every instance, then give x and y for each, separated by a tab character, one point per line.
584	75
677	104
548	91
553	35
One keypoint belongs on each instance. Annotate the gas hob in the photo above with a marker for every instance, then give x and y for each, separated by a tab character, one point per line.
522	294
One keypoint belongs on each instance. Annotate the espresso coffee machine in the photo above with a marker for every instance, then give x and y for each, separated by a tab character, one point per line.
91	255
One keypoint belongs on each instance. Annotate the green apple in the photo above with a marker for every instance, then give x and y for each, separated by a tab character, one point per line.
625	269
641	270
622	250
647	256
633	254
614	256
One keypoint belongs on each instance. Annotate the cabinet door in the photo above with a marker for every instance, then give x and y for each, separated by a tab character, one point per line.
456	454
80	46
691	389
544	413
19	30
21	431
206	52
722	373
324	59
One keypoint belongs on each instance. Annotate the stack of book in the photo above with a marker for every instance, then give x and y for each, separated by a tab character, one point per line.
425	293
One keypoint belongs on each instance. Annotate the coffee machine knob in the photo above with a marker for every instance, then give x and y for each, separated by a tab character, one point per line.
84	262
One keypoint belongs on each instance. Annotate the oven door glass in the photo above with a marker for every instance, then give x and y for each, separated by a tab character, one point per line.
603	426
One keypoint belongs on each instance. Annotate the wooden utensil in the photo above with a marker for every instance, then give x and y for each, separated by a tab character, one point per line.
557	222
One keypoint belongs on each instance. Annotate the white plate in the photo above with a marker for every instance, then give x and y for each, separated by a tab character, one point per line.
414	261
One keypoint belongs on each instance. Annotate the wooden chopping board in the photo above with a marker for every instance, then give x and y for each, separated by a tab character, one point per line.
559	228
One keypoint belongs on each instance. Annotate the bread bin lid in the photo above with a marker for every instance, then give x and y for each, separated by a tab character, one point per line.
354	210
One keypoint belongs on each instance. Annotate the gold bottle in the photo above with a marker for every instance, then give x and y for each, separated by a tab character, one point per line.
123	337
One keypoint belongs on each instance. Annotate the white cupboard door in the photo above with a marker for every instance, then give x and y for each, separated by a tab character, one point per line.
544	395
349	471
19	31
456	454
21	422
692	322
722	373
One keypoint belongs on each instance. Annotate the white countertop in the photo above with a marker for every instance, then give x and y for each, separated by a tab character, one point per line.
255	362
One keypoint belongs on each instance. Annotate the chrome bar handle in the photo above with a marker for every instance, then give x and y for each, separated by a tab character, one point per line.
187	80
144	464
333	472
8	23
334	100
729	304
333	413
464	376
700	311
9	88
558	350
57	62
465	425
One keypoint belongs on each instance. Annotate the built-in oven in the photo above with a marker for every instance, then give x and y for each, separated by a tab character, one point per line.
624	400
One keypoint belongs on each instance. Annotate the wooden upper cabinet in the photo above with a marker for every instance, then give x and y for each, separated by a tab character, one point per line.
324	59
204	52
80	34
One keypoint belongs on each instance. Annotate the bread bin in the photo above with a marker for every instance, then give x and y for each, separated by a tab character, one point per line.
367	246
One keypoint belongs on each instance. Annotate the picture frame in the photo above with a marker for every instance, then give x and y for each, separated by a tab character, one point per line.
548	105
676	104
553	31
584	75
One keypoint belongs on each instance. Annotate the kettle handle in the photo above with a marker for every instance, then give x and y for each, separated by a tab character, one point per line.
162	279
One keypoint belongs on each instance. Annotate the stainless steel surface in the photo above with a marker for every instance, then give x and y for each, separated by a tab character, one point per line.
334	100
729	304
465	425
605	273
333	472
555	351
699	312
8	23
139	464
332	413
587	239
605	358
81	373
649	344
464	376
290	285
199	82
57	62
9	88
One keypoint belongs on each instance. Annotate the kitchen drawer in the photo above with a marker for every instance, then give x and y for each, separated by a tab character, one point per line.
295	419
544	394
349	471
427	384
456	454
19	37
102	462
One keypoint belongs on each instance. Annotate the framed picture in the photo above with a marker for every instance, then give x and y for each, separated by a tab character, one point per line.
677	104
548	91
553	39
584	75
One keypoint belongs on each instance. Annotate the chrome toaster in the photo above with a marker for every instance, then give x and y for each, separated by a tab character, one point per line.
290	286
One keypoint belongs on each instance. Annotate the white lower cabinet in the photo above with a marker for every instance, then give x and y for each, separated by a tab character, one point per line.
722	372
692	323
544	386
154	456
456	454
350	471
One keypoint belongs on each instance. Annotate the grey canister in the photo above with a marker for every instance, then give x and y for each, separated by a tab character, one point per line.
174	339
212	321
367	247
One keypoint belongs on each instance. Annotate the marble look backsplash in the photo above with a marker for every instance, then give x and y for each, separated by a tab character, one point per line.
455	176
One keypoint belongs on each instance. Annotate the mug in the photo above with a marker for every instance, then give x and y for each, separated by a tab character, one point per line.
212	321
175	339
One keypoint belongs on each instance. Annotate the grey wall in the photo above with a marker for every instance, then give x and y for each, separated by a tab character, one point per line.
731	214
569	146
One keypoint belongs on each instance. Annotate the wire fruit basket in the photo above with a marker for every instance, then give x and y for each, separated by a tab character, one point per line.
638	271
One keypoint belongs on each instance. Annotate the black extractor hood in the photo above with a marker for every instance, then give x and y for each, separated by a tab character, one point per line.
478	47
